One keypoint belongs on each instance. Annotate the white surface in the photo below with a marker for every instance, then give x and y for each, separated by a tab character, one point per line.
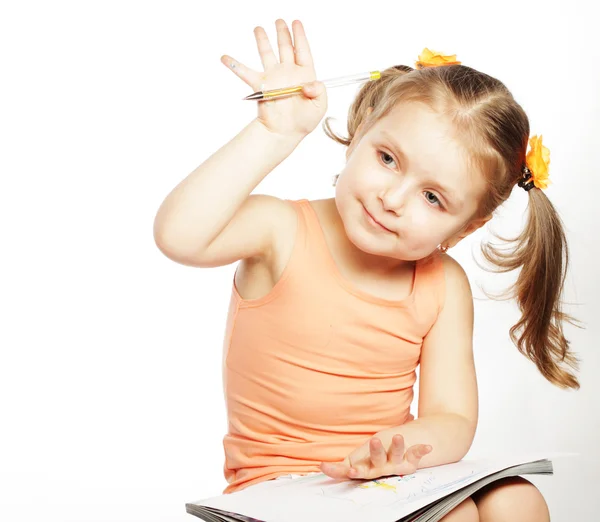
110	374
323	498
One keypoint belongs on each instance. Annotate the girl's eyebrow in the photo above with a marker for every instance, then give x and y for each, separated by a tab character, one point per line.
450	195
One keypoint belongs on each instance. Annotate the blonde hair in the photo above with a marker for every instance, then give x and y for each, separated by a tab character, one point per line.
494	131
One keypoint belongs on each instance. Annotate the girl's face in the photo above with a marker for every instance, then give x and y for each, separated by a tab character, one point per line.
411	178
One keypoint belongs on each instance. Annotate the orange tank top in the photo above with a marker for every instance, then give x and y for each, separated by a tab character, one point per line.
315	367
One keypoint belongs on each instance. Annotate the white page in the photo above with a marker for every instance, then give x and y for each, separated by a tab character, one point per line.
319	497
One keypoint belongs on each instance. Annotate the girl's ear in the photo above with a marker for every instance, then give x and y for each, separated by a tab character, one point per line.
468	230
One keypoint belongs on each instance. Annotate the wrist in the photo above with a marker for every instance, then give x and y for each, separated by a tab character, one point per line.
284	139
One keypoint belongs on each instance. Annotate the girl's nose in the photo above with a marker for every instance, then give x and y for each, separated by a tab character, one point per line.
394	199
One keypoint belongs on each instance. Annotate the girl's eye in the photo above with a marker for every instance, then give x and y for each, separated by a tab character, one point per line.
382	154
435	200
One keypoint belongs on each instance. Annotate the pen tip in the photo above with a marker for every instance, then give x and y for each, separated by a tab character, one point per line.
254	96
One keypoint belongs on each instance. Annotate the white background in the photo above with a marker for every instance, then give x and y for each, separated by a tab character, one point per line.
110	378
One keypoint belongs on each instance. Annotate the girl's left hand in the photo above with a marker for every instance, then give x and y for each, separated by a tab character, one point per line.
371	461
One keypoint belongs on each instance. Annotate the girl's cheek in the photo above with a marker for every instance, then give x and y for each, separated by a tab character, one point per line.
420	239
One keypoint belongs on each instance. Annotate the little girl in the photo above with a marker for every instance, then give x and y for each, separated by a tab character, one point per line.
337	301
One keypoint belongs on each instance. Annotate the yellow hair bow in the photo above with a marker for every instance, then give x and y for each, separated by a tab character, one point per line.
429	58
538	161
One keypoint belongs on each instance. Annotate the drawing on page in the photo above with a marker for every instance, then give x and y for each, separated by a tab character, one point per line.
388	491
381	483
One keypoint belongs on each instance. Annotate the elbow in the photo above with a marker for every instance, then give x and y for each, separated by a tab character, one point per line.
459	434
165	243
160	239
158	230
466	434
161	227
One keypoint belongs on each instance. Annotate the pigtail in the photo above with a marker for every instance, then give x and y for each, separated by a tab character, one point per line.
542	252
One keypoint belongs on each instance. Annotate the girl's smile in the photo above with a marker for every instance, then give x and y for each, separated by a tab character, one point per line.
374	223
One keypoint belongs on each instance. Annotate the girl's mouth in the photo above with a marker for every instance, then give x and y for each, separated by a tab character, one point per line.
373	222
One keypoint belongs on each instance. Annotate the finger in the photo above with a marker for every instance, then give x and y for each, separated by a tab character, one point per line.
249	76
353	471
301	47
396	451
378	454
284	41
267	56
416	453
335	470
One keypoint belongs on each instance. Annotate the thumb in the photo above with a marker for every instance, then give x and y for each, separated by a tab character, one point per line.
313	89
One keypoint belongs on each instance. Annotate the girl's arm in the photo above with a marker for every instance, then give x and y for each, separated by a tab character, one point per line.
198	209
448	403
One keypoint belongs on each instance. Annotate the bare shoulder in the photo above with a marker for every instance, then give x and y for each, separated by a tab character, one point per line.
456	279
279	216
284	220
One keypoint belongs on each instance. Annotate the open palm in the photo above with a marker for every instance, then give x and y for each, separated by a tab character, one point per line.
291	115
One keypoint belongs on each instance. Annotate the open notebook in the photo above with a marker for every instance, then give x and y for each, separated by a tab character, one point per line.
425	496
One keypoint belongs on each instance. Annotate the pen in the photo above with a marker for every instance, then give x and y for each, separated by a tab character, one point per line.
296	89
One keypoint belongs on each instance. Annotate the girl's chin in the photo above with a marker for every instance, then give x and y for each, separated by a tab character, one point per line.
400	252
377	246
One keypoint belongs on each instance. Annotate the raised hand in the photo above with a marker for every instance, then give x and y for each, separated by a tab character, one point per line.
371	460
296	115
